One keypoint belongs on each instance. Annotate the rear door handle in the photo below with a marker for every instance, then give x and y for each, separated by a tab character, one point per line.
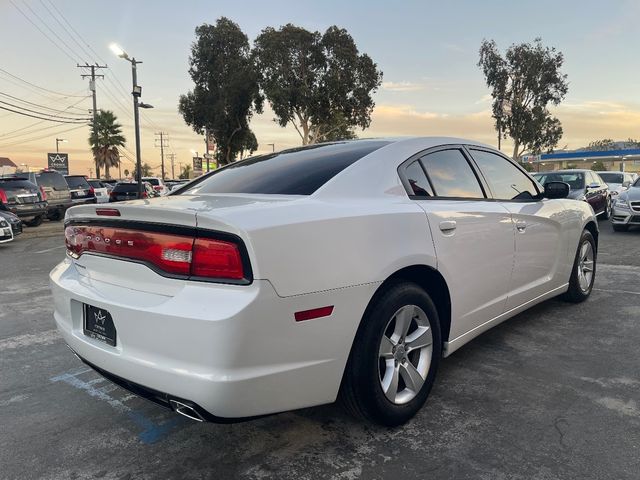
448	226
521	226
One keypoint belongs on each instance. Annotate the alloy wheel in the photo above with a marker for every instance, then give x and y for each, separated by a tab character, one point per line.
405	353
586	264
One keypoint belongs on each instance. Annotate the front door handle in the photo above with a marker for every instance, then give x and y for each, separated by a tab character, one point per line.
448	226
521	226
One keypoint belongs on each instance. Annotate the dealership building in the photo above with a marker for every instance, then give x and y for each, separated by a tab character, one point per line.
622	160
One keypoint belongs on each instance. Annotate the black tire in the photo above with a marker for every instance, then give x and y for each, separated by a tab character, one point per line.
56	216
34	222
361	391
620	228
607	210
576	293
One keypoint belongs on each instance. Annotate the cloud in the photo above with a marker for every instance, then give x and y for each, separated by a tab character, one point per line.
484	99
402	86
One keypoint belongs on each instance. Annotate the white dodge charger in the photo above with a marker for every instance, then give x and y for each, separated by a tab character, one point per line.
339	270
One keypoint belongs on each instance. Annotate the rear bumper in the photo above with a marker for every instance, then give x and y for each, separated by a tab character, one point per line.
6	234
27	210
231	351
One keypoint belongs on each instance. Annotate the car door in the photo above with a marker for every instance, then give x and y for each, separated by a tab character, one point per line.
473	236
594	192
540	241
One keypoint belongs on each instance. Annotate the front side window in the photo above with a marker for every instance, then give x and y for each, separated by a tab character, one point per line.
507	182
418	180
451	175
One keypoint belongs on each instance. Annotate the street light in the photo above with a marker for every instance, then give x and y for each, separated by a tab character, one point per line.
58	140
136	93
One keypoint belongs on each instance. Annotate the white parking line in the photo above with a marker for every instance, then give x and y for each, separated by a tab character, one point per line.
51	249
616	291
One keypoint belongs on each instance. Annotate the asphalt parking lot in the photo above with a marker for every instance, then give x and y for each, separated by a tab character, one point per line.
552	394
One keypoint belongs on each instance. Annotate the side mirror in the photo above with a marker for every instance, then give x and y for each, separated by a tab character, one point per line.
556	190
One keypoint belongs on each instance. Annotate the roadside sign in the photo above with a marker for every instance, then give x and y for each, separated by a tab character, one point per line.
58	162
211	143
197	164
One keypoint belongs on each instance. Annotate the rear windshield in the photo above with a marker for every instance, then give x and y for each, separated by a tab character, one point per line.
77	182
10	184
52	179
298	171
96	184
574	179
612	177
125	187
152	181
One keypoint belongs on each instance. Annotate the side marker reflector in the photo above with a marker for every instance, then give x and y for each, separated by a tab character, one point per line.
314	313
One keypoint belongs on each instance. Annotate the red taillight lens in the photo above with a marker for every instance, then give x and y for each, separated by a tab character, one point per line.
43	193
216	259
92	191
3	196
157	187
108	212
144	195
174	254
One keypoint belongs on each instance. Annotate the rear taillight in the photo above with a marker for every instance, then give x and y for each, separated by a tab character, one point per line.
157	187
144	195
92	191
174	254
3	196
43	194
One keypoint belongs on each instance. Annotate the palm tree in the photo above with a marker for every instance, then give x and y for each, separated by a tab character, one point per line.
106	136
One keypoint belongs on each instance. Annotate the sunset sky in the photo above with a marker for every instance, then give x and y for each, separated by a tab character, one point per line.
428	52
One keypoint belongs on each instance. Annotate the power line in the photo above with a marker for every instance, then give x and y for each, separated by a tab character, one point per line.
42	31
84	50
37	104
38	87
41	137
41	113
42	118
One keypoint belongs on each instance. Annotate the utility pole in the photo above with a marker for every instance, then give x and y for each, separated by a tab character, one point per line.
163	138
172	158
92	87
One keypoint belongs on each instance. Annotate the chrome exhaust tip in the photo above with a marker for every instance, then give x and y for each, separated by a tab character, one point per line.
186	410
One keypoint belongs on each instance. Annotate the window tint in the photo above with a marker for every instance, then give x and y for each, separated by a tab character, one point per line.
51	179
299	171
418	180
451	175
152	181
96	184
10	184
126	187
613	177
506	180
574	179
77	182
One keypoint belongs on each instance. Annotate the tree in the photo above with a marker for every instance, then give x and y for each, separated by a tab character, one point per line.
609	144
105	138
147	171
225	93
523	84
598	166
320	84
186	172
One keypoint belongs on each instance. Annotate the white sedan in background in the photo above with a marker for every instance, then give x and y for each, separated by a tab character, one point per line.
344	269
100	189
158	184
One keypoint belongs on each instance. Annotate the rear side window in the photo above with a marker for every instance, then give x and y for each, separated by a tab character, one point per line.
507	182
418	180
451	175
53	180
17	184
77	182
299	171
152	181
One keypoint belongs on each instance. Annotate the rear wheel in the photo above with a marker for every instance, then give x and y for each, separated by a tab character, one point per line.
620	228
395	356
583	274
34	222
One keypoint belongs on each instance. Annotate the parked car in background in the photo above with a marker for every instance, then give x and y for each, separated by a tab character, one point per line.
109	183
23	198
14	221
626	208
342	269
176	185
100	190
129	191
158	184
81	191
6	232
618	181
57	191
585	185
